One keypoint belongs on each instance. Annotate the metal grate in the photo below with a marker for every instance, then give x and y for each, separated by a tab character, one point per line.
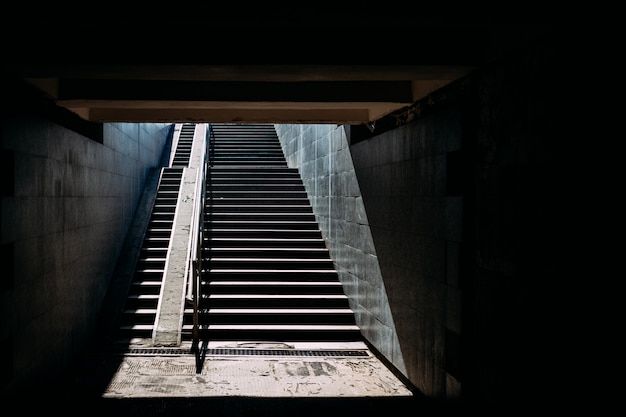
286	352
245	352
156	352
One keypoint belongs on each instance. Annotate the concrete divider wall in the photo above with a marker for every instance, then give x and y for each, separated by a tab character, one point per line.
63	226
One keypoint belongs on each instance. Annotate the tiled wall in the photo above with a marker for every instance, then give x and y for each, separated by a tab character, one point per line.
417	231
394	233
63	225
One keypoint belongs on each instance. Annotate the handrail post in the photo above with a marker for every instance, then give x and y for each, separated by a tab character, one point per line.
196	331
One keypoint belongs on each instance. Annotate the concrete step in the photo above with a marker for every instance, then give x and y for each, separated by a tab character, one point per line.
142	301
275	300
250	226
226	174
320	316
157	242
162	207
146	285
261	217
144	263
153	251
268	263
295	243
259	179
262	252
135	331
158	232
214	274
218	194
247	206
274	287
138	316
260	202
278	332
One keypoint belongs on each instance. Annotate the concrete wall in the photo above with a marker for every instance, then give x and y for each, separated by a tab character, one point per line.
417	231
64	220
322	155
447	231
392	229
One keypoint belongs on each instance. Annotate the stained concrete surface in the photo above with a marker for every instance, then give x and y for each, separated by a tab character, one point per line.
276	375
340	379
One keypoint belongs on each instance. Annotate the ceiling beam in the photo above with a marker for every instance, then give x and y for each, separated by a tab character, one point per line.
227	115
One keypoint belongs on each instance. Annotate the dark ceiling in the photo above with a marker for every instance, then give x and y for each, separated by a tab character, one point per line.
176	71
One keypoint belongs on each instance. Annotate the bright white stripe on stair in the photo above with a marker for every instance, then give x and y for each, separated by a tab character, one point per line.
138	327
286	240
337	327
289	296
272	283
219	222
261	248
216	210
270	259
141	311
257	270
280	310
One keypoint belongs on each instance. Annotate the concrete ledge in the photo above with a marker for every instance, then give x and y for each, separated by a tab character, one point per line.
169	321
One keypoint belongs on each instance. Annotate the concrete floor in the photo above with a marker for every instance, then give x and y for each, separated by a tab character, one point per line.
235	369
231	379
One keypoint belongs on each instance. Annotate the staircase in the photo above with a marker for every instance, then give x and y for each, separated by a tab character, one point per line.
140	310
267	274
267	280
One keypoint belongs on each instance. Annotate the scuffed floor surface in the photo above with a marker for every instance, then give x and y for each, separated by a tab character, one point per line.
252	376
160	383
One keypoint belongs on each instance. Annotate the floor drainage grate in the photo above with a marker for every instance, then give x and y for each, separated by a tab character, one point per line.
245	352
286	352
157	352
